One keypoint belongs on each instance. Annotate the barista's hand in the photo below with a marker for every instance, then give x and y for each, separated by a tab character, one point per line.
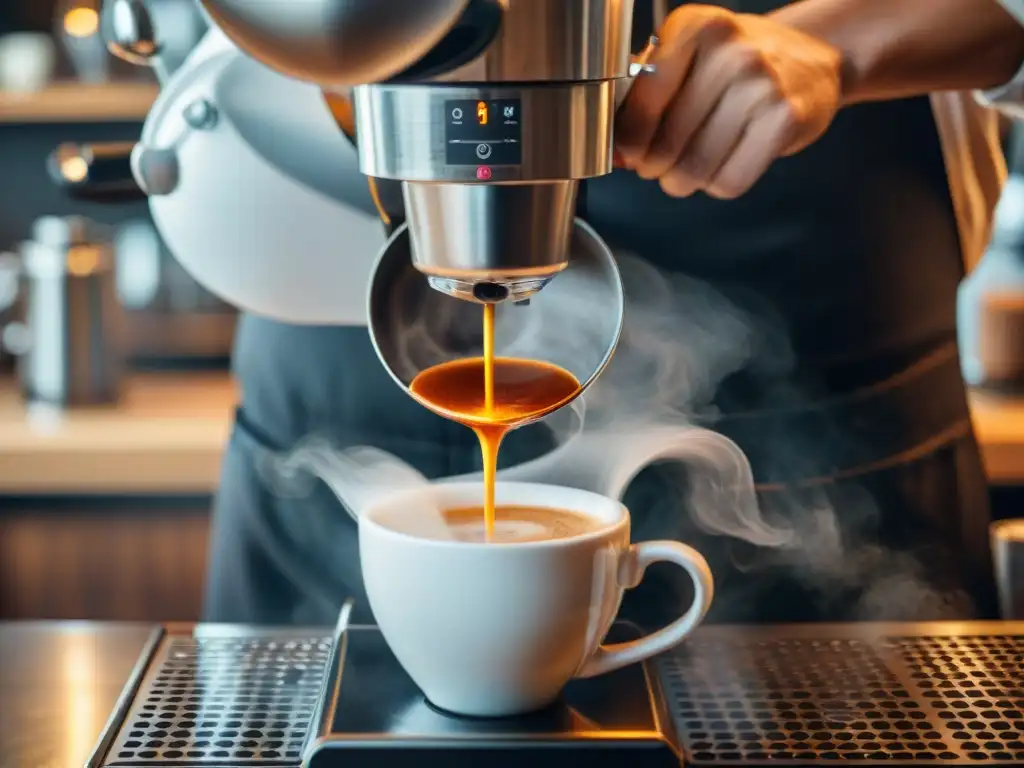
731	93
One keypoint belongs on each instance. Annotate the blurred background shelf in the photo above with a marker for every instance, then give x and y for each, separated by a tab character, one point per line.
73	102
166	436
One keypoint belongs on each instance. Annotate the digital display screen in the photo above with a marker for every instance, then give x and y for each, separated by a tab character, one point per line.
487	132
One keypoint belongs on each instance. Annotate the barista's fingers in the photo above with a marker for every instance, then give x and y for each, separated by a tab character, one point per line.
641	114
763	141
718	73
686	30
684	117
677	183
715	141
707	153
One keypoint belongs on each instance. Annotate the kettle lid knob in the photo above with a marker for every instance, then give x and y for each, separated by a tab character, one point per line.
131	35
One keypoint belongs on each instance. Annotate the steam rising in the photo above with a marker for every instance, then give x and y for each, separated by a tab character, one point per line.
680	340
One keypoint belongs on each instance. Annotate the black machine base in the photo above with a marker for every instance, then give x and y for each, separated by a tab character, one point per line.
378	717
873	694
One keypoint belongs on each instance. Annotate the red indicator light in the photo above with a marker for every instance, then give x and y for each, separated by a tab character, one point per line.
483	173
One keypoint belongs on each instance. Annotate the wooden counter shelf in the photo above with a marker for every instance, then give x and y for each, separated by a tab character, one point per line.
167	435
999	425
74	102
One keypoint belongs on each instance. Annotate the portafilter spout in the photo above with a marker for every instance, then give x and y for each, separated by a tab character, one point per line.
490	243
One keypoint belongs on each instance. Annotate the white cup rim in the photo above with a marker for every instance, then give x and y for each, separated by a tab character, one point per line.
617	517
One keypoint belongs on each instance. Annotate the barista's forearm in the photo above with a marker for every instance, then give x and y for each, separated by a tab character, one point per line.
898	48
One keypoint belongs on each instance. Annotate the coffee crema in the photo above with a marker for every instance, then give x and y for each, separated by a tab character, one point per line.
514	524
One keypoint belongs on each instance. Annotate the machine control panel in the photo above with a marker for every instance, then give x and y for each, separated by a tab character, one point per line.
483	132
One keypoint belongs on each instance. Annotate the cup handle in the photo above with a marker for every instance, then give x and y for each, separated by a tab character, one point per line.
608	658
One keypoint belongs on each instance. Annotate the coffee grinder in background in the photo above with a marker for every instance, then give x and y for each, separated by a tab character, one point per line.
990	304
69	337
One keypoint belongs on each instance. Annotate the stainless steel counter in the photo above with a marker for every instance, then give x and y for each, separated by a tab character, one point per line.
905	694
59	684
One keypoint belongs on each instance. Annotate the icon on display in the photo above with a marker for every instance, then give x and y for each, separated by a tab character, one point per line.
481	133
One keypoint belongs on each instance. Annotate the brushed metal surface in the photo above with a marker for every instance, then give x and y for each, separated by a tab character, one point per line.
568	40
510	234
566	131
59	684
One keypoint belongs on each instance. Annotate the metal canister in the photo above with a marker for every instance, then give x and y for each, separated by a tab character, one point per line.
70	343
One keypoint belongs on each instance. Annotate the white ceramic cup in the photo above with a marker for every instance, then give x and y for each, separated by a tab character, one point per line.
493	629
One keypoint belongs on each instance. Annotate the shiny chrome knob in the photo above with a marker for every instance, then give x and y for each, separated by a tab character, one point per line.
131	34
336	42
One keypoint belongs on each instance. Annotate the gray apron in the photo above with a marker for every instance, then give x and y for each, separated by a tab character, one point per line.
860	437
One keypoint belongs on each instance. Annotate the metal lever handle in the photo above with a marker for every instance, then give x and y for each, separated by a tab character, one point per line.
639	66
95	172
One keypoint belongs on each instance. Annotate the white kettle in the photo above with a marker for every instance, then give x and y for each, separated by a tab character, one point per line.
255	191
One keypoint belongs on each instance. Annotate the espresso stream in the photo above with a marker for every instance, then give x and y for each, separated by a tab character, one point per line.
493	395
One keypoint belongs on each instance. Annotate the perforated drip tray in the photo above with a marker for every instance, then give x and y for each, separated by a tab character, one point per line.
826	694
813	695
225	699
